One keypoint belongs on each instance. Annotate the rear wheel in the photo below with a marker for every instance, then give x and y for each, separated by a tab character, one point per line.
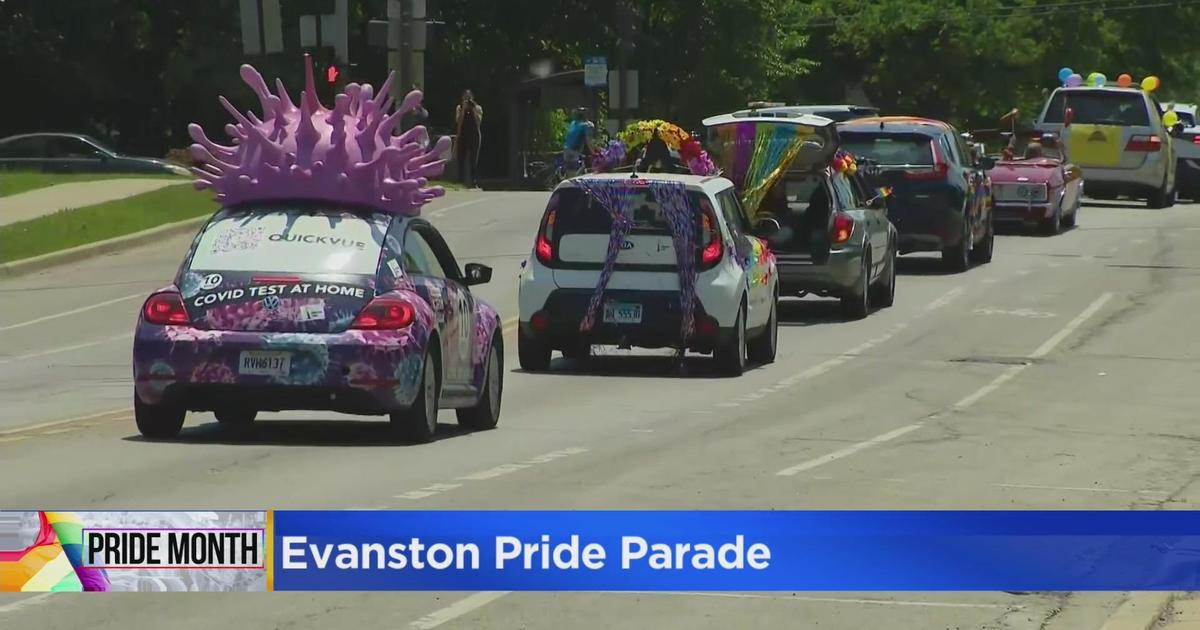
1069	219
418	423
730	355
982	253
486	413
1054	224
762	349
857	303
1161	198
883	294
157	421
532	353
958	257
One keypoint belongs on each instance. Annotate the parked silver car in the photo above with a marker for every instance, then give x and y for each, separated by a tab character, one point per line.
1116	135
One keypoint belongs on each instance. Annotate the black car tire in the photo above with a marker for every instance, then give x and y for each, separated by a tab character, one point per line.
1054	225
982	254
485	414
856	303
1161	198
236	419
883	294
578	351
157	422
763	348
958	257
418	423
532	353
730	354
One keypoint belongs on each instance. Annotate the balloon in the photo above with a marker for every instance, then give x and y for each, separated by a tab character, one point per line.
1150	84
1124	80
1065	74
1170	119
1074	80
1099	79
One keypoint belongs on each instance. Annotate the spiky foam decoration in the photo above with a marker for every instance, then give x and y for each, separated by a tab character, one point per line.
344	155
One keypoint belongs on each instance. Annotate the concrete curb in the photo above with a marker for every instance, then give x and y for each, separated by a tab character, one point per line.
99	248
1140	612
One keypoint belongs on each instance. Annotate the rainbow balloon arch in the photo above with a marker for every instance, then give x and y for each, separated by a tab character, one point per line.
1069	78
622	149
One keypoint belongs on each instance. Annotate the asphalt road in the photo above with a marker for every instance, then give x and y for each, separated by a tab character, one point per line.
1060	376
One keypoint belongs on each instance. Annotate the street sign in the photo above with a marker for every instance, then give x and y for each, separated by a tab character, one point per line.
595	71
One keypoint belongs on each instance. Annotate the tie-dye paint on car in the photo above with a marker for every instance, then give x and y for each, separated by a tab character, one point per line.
318	286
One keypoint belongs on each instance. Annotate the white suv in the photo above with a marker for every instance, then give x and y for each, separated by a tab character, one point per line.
736	283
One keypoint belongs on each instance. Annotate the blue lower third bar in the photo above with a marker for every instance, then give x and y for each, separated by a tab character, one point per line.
736	551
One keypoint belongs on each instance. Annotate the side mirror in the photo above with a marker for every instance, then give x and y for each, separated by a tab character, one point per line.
767	227
475	273
987	163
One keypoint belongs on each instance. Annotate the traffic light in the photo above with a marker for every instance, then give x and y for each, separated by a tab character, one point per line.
332	74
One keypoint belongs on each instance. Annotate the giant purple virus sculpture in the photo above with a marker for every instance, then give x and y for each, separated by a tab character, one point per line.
344	155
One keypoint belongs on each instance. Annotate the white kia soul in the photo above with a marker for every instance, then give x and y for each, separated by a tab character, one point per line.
735	290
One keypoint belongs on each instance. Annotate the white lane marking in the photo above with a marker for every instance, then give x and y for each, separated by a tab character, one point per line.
428	491
837	600
25	603
825	366
490	473
945	299
75	311
459	608
440	211
78	346
1052	342
1138	241
54	423
1026	486
1021	312
971	399
848	451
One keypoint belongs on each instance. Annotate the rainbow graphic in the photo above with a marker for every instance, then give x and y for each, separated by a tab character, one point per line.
54	562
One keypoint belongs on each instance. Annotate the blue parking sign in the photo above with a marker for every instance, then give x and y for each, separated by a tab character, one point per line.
595	71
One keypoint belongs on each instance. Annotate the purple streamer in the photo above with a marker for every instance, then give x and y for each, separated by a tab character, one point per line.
743	152
681	216
617	197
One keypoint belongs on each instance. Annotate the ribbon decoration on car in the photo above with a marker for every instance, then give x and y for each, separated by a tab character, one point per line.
617	198
681	216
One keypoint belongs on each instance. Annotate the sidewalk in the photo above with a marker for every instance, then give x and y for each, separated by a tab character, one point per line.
43	201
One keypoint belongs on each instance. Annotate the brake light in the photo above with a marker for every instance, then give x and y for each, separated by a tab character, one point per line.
940	167
539	321
166	309
385	314
713	250
543	249
1144	144
706	327
843	226
1195	139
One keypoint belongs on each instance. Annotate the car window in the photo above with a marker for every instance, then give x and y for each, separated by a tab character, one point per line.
63	147
950	149
293	240
1100	107
890	149
419	257
578	213
732	211
23	148
843	192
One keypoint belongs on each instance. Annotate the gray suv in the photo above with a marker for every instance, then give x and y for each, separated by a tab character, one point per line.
1116	135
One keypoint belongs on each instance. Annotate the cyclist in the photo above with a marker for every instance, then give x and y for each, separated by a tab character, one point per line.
578	141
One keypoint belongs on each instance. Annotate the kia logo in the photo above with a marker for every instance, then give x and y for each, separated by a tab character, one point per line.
627	245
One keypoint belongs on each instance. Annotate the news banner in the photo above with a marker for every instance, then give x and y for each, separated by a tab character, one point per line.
601	551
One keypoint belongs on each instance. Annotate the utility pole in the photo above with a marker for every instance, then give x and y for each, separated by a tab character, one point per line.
627	18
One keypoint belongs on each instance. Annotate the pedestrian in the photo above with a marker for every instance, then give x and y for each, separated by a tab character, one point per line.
578	140
468	117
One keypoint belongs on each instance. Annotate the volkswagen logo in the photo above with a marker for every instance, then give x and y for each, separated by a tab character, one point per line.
271	302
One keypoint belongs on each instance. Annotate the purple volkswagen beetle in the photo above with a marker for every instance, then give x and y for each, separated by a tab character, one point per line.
318	286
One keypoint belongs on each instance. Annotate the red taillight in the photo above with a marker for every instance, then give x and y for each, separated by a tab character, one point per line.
711	254
539	321
1195	139
543	248
166	309
843	226
385	314
706	327
1144	144
940	167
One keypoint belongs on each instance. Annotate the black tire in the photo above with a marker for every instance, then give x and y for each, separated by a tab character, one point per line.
486	413
418	423
158	422
1161	198
958	258
762	348
883	294
236	419
1054	225
730	354
982	253
856	304
578	351
532	353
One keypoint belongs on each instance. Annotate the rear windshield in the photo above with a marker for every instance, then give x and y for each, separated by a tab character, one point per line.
578	213
1126	109
291	241
890	148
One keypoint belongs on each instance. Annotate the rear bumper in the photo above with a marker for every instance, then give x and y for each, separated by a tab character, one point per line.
660	326
1023	213
927	225
837	275
1142	180
1187	175
364	372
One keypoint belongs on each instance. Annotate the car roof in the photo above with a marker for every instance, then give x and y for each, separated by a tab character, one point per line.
49	134
1103	88
805	109
798	118
898	124
703	182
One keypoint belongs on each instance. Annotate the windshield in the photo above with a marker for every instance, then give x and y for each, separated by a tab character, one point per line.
291	241
890	149
1099	107
579	213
